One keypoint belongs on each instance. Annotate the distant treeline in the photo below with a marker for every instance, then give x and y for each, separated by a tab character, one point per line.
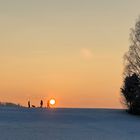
8	104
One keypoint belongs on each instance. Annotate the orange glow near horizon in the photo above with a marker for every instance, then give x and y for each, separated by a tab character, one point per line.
70	50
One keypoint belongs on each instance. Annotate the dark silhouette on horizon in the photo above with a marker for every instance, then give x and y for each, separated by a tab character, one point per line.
48	104
33	106
41	103
9	104
29	105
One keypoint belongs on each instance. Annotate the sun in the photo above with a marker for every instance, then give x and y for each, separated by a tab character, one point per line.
52	101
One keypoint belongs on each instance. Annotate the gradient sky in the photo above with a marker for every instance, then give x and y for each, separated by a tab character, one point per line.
67	49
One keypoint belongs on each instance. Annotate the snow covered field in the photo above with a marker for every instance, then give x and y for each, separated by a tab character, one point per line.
67	124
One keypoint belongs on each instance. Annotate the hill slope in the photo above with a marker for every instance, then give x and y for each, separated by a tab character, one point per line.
67	124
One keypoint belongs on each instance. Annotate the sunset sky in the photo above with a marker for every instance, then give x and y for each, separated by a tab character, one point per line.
70	50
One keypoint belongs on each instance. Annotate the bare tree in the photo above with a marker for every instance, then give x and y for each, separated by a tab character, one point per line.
132	57
131	86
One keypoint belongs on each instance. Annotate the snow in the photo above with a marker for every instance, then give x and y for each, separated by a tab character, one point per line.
67	124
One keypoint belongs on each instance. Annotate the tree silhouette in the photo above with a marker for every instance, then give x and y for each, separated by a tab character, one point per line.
131	86
132	57
131	92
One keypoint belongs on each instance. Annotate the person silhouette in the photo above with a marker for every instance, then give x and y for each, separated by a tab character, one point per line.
41	103
29	105
48	104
